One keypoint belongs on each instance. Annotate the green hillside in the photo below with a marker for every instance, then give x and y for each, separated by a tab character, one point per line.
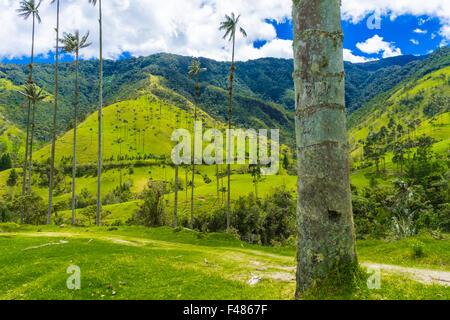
264	94
139	123
426	99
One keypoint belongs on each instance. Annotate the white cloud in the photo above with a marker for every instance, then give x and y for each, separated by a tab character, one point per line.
356	10
376	45
414	41
143	27
349	56
420	31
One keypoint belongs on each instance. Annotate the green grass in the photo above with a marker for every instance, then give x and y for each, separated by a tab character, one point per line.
162	264
436	252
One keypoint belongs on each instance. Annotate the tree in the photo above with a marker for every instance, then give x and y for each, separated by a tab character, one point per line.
151	211
194	71
72	43
55	111
32	209
5	162
255	171
28	8
34	95
326	239
100	115
12	179
229	25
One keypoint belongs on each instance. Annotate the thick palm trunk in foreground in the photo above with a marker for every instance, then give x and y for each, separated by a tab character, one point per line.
326	238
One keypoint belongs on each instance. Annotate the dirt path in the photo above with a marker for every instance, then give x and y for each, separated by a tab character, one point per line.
421	275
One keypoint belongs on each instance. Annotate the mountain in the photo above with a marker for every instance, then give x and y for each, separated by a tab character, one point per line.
420	106
264	90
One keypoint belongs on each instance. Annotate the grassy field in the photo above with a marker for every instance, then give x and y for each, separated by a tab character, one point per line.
161	263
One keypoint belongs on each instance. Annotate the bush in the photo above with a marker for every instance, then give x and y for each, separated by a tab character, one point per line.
33	207
151	211
417	248
268	221
12	179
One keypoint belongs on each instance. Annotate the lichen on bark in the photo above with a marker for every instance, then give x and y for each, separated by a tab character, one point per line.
326	238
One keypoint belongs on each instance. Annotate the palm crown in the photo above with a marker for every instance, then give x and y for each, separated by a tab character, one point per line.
195	69
229	25
93	2
72	43
28	8
33	93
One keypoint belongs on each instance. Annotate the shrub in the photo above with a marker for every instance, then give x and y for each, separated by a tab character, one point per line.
12	179
151	211
33	207
417	248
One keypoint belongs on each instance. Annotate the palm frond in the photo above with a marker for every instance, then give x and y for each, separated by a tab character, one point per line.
229	25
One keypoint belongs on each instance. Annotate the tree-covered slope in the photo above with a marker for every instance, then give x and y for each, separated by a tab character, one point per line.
264	87
418	107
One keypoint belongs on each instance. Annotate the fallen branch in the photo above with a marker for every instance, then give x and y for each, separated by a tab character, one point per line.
46	245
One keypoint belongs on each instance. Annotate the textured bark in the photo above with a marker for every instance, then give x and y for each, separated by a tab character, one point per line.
326	238
100	118
55	110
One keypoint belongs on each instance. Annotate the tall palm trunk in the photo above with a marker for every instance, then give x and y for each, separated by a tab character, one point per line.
326	238
193	158
100	117
30	164
55	110
74	162
176	198
32	121
25	164
30	80
230	109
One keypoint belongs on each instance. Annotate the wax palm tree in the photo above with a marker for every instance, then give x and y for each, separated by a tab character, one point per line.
55	110
326	238
100	115
229	25
194	71
72	43
34	95
29	8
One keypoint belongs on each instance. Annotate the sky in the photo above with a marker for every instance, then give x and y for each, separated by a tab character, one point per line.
374	29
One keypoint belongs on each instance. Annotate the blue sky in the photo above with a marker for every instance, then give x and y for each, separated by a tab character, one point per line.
144	27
